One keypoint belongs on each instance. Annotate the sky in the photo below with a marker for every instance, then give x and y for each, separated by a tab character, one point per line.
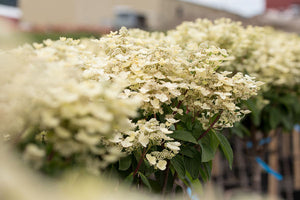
245	8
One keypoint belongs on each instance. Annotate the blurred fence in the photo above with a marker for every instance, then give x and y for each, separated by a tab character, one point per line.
272	167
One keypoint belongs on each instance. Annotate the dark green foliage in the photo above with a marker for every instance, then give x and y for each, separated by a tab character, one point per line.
125	163
193	165
145	180
178	163
281	111
184	136
225	147
255	115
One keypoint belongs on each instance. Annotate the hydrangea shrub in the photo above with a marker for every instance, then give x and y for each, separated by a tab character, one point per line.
132	103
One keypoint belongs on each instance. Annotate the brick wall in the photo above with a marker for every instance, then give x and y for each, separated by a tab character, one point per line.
280	4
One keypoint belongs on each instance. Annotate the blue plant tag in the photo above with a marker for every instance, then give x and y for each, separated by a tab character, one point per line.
261	142
268	169
297	127
192	197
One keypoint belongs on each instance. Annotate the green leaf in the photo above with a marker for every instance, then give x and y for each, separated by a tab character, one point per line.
184	118
197	129
129	178
240	130
209	146
225	147
255	112
184	136
145	180
178	164
192	165
288	100
203	175
287	123
213	140
195	183
207	152
208	167
275	117
189	125
205	171
179	126
188	151
125	163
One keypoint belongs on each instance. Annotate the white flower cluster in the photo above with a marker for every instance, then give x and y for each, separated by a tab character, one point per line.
45	91
148	134
81	94
270	56
159	71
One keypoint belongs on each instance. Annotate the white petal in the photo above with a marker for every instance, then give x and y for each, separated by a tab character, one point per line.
151	159
143	140
161	165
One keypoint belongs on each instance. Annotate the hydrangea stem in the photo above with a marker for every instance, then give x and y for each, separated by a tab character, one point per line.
179	103
166	177
140	162
211	126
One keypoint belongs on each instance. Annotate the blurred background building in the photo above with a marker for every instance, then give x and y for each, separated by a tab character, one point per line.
153	15
103	15
9	10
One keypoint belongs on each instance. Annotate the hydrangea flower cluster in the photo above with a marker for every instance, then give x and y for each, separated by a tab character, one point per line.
159	71
79	96
55	105
148	134
270	56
